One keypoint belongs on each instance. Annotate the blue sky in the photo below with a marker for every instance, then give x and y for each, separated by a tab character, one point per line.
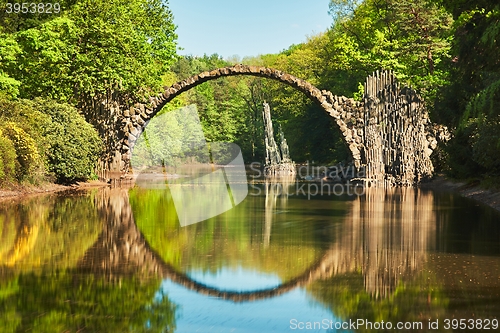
246	28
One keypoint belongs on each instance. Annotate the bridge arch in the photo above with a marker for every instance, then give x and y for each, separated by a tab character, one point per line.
343	110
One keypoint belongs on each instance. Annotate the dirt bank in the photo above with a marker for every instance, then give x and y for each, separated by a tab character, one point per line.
19	191
488	197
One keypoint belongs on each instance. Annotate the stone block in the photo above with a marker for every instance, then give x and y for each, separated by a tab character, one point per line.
134	132
335	114
140	121
325	105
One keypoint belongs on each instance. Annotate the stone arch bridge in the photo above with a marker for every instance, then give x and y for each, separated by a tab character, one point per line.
388	134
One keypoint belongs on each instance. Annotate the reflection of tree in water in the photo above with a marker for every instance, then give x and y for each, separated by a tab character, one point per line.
69	302
385	236
42	291
39	232
121	249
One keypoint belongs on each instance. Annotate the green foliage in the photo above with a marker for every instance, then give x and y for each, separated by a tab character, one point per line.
446	49
223	104
475	150
9	50
46	60
486	144
470	101
484	103
90	47
171	138
26	127
9	87
410	37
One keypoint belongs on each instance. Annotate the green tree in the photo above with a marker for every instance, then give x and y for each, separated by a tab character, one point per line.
220	102
468	102
411	37
93	46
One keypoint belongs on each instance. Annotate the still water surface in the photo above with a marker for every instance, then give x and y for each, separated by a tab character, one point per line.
117	260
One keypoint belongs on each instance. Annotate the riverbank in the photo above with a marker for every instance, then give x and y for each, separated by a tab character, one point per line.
22	191
441	183
468	190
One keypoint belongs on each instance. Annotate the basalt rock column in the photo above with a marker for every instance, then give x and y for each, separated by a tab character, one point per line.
277	164
396	139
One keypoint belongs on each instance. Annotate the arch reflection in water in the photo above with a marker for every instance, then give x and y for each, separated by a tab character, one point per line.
359	259
381	240
156	264
385	236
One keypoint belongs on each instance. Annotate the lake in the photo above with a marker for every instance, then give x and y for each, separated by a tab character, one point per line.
282	260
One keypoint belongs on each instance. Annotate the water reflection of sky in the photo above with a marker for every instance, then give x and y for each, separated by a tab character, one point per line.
199	313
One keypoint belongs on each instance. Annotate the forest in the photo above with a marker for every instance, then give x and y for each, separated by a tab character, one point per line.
51	64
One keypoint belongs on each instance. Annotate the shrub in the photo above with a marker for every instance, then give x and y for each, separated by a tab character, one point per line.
73	145
49	140
30	163
486	144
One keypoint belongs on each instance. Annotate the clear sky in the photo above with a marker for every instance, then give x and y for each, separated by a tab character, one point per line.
246	27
